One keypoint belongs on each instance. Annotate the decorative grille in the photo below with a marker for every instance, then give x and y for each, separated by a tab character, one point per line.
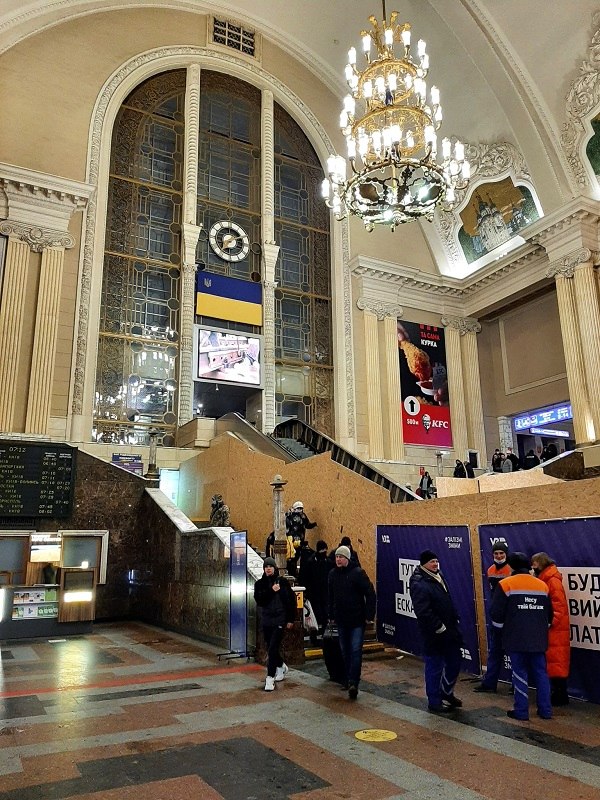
232	35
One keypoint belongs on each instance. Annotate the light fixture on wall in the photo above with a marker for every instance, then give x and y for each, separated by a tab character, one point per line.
390	125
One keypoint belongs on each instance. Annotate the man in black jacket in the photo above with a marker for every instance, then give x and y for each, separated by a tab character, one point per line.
277	602
351	606
438	622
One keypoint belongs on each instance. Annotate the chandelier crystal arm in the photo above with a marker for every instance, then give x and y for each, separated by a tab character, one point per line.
390	123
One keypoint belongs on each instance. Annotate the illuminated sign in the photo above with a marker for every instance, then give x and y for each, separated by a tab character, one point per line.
543	417
550	432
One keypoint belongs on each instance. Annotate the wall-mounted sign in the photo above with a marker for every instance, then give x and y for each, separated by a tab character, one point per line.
37	479
424	406
544	416
550	432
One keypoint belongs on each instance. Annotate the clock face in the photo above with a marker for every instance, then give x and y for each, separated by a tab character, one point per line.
229	241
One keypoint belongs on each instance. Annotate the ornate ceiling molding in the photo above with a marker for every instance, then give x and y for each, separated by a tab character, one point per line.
38	239
488	162
462	324
583	99
380	308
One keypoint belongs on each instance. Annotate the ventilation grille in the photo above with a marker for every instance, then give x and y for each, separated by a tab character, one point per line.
234	36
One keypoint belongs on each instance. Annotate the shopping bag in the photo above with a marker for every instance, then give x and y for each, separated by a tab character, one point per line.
310	621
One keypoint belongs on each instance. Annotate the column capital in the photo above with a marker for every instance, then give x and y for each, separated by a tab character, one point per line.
37	238
565	267
380	308
270	253
190	234
462	324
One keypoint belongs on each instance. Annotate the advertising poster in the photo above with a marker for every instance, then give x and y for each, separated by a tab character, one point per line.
398	549
424	403
574	544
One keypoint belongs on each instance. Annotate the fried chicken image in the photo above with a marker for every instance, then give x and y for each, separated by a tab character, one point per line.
417	360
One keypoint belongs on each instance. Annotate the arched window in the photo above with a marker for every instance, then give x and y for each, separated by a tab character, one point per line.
138	352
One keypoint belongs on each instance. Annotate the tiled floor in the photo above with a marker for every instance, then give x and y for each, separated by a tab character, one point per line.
135	712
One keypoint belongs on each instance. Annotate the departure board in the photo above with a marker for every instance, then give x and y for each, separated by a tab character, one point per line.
36	480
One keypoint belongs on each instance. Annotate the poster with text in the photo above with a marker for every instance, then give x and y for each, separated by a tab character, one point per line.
398	549
574	544
424	405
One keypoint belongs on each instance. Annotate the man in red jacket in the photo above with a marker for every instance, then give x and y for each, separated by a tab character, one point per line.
521	607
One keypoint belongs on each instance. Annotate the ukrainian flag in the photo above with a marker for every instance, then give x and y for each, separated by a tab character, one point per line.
230	299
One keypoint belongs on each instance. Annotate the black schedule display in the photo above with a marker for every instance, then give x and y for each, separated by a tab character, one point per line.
36	480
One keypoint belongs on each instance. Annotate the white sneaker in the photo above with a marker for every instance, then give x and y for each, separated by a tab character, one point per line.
269	684
280	672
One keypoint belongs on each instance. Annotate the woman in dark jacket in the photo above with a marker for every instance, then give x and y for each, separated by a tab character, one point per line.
277	602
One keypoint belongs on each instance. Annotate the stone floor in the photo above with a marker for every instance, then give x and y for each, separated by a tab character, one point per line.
135	712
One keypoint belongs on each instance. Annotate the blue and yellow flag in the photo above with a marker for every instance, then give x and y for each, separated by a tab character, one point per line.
230	299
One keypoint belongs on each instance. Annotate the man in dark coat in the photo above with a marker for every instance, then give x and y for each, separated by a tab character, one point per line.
459	470
438	622
315	577
351	605
522	608
277	602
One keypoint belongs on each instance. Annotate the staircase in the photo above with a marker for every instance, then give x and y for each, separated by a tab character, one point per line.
296	448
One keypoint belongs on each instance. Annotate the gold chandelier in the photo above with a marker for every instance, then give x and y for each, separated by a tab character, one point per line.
390	127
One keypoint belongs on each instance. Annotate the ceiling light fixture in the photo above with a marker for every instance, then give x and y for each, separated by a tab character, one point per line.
390	127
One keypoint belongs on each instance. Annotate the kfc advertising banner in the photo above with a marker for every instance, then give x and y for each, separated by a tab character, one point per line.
424	385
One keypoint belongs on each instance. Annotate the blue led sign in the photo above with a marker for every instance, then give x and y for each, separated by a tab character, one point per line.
543	417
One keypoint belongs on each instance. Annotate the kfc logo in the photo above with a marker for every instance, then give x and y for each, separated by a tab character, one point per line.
426	420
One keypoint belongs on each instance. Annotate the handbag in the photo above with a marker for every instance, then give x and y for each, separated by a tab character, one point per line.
310	620
331	631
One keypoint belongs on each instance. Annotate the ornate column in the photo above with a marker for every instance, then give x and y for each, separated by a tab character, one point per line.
189	242
454	327
505	433
270	255
373	384
11	324
588	314
388	375
44	339
583	425
40	208
472	386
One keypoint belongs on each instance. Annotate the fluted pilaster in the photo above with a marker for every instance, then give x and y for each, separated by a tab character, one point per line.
268	167
186	323
394	444
583	424
454	326
472	386
11	326
373	385
588	314
505	434
44	341
271	252
192	133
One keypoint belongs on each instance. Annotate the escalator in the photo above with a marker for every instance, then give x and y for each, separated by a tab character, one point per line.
234	424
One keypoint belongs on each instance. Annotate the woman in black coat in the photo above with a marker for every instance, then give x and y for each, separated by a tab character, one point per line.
277	602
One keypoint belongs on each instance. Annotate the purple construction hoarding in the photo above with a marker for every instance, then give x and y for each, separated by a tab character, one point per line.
575	546
398	549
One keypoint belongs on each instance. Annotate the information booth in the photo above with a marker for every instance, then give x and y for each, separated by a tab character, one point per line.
48	579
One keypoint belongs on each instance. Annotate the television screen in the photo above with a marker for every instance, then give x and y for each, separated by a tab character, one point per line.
227	356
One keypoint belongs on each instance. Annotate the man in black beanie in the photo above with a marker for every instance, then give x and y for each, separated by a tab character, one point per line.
499	570
438	622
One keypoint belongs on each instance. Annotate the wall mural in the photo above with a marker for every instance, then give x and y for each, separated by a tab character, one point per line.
592	150
496	212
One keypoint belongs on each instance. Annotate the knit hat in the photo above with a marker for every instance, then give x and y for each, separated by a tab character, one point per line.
269	562
426	555
321	545
343	551
500	545
519	562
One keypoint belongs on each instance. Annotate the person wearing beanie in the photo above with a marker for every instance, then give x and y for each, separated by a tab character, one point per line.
345	541
351	605
277	603
499	570
521	608
442	640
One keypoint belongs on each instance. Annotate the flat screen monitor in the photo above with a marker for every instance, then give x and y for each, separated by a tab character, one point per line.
226	356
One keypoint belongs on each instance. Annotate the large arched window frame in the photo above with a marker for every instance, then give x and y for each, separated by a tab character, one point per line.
119	85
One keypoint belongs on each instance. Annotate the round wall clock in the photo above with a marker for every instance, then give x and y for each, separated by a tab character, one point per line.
229	240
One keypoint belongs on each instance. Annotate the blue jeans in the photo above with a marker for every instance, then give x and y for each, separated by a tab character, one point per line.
351	642
534	665
441	673
273	635
495	659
